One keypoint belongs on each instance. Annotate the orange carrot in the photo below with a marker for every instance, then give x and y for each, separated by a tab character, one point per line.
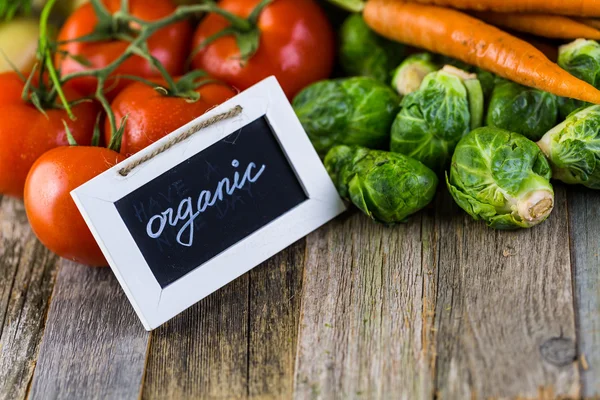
580	8
545	25
594	23
455	34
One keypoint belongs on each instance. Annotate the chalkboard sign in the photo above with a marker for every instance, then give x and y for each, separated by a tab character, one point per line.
209	202
191	213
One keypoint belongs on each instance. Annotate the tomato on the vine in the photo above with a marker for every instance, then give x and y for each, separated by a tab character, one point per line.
26	133
152	115
51	211
296	45
169	45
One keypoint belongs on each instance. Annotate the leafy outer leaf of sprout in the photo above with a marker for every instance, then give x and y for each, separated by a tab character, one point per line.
516	108
364	53
432	120
387	187
573	148
352	111
411	72
580	58
502	178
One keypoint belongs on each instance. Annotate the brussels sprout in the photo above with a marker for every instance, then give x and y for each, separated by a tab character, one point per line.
433	119
387	187
580	58
488	82
349	111
363	52
502	178
516	108
412	71
573	148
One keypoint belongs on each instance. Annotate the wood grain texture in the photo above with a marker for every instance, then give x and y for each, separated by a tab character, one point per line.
367	311
27	275
275	295
504	315
237	343
584	228
94	346
203	352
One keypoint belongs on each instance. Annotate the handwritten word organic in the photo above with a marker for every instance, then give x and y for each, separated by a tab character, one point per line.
189	210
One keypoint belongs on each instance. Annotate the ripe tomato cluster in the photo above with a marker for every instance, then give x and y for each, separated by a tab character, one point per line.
294	43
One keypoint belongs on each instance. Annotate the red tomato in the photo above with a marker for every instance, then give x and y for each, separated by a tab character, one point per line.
152	115
296	45
169	45
51	211
26	133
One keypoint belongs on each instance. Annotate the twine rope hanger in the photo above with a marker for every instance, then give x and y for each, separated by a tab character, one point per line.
235	111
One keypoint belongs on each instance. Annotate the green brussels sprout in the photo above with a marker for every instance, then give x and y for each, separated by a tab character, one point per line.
410	74
581	59
488	82
486	79
433	119
573	148
364	53
516	108
387	187
353	111
502	178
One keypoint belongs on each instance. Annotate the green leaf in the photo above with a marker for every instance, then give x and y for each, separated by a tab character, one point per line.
70	138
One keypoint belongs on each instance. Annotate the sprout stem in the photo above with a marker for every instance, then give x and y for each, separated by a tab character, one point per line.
536	206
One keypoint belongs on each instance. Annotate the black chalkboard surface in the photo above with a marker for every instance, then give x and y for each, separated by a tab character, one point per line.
211	201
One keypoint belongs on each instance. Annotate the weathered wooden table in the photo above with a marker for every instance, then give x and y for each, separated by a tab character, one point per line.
441	306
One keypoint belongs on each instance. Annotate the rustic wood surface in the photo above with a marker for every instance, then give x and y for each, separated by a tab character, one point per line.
584	228
440	307
93	346
27	273
504	309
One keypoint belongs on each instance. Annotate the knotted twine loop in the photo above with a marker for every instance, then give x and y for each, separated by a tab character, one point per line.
181	137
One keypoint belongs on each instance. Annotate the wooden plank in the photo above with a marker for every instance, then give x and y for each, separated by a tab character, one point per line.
584	228
367	309
27	275
203	352
275	294
237	343
94	346
504	317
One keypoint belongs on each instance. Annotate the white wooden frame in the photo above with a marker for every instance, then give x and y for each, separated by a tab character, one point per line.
155	305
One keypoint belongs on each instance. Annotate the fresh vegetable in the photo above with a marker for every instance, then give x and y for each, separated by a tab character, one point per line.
170	45
50	209
291	39
26	133
152	114
544	25
520	109
580	58
594	23
573	148
409	75
353	111
387	187
502	178
468	39
589	8
18	44
364	53
433	119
